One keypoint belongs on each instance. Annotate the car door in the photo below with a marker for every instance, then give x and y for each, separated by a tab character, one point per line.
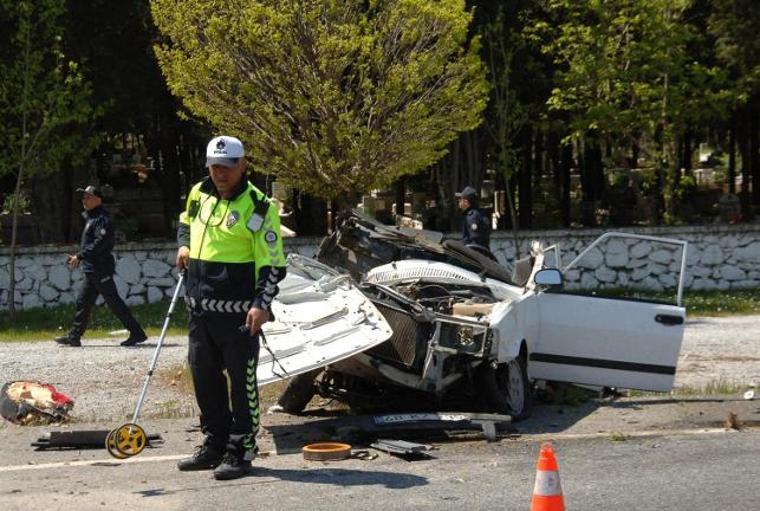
608	341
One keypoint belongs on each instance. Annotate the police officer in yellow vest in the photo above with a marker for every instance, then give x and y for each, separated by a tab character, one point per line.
231	248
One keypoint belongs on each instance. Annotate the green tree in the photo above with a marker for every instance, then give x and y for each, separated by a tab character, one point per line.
734	24
627	71
508	116
43	98
334	97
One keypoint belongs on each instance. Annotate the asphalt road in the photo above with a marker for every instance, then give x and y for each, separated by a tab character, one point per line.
645	453
697	470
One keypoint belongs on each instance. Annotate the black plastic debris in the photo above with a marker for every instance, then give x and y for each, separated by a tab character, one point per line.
84	439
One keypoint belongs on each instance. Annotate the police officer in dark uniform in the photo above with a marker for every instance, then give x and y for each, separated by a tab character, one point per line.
477	228
98	265
231	248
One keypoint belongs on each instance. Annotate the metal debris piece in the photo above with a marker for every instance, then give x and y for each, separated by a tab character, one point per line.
402	448
33	403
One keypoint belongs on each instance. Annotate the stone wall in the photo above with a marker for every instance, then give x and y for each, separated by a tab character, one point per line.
144	272
719	257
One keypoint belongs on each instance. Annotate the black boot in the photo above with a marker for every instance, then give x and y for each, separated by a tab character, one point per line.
134	339
235	463
68	341
206	457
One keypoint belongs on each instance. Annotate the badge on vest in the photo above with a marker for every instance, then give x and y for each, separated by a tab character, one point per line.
474	227
255	223
192	211
232	218
270	237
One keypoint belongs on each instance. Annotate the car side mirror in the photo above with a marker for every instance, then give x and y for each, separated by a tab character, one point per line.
550	277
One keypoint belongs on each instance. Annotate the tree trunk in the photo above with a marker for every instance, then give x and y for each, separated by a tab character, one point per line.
743	137
539	166
168	137
513	216
687	150
51	205
634	162
400	194
592	179
565	169
14	229
731	177
754	143
524	191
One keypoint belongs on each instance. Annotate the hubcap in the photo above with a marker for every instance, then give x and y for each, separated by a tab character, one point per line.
515	387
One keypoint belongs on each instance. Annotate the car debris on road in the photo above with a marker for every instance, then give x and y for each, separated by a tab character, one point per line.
383	309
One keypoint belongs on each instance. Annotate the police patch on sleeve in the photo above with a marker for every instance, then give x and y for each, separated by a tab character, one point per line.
270	237
102	232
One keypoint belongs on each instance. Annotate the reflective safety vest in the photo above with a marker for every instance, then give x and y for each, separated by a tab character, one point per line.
236	254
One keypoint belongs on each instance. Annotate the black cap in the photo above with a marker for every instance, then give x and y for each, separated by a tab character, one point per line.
468	193
92	190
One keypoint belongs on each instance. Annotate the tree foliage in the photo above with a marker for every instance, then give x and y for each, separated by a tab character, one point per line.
626	66
43	98
333	97
43	95
627	71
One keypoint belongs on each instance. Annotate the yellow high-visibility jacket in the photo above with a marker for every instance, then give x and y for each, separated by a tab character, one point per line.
236	254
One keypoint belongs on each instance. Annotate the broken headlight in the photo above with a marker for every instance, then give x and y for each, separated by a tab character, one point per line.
469	339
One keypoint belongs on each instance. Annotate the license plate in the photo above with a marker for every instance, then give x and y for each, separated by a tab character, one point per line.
418	417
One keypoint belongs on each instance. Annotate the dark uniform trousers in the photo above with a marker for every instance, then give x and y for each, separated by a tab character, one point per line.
216	343
96	283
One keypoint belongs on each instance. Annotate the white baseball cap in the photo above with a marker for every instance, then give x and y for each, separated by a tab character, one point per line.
224	150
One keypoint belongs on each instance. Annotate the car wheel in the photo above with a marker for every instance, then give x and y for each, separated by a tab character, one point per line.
299	391
506	388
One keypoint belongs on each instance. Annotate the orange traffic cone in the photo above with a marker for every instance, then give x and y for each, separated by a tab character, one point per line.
547	494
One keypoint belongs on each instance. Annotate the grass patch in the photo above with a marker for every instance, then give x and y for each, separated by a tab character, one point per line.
46	323
697	303
617	436
723	303
557	393
719	387
179	377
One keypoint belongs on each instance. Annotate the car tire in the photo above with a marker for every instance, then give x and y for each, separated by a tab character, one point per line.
506	388
299	391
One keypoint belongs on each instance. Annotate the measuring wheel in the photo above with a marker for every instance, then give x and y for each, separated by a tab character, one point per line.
129	440
111	446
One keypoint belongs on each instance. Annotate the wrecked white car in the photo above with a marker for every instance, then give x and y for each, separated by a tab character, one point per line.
384	309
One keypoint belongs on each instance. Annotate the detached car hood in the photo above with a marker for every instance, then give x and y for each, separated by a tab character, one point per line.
321	317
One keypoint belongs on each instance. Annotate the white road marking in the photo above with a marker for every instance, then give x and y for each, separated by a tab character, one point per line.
521	438
110	462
